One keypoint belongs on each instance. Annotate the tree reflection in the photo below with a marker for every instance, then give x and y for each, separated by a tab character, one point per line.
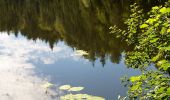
81	24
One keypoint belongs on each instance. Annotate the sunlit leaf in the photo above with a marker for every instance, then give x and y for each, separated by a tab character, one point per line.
164	10
160	90
151	20
163	30
144	25
154	40
161	62
165	48
168	91
168	30
165	66
155	8
134	78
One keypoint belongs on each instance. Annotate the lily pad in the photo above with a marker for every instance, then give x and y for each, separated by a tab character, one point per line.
80	97
65	87
75	89
47	85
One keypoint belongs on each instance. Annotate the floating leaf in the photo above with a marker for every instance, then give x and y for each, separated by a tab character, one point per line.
65	87
47	85
80	97
76	89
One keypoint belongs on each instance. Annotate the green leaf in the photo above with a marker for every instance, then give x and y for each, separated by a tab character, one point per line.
165	48
161	62
135	87
151	20
144	26
155	58
154	40
155	8
168	91
65	87
163	10
163	30
165	66
168	31
134	78
161	90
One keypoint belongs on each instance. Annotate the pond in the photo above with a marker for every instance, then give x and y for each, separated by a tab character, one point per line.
43	41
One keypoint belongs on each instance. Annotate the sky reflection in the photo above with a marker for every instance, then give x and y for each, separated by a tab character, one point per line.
18	79
23	61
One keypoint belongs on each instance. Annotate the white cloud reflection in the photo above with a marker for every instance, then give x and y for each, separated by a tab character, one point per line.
17	78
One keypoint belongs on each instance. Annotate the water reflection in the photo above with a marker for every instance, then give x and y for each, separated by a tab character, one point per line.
82	24
18	80
26	65
65	26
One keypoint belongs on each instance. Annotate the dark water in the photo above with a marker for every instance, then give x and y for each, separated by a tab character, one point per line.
49	33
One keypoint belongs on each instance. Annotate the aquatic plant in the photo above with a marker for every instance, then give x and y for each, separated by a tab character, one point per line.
77	96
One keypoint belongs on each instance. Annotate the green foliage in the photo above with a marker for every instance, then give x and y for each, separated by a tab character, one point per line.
150	35
132	25
137	59
149	85
151	39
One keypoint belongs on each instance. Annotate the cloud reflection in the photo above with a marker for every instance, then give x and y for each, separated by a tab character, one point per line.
17	78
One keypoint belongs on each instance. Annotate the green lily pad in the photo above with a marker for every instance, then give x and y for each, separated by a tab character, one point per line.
65	87
80	97
75	89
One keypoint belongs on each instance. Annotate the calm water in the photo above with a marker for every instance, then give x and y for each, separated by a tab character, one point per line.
39	41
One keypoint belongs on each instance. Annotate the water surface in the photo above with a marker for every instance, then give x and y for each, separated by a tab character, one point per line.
39	41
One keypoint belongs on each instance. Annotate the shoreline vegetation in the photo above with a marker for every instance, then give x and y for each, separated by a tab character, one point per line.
151	37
